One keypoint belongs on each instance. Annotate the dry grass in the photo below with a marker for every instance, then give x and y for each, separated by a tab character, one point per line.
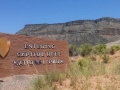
103	82
88	75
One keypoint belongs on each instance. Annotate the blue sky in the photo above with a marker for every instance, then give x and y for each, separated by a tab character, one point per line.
14	14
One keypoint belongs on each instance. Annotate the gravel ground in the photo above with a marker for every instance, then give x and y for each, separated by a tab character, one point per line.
17	82
113	43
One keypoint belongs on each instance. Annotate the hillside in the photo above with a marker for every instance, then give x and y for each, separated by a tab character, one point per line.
77	32
113	43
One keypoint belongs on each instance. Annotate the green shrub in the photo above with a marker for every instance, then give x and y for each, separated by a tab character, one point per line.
83	63
54	76
89	67
40	84
74	50
86	49
105	58
100	49
113	49
74	70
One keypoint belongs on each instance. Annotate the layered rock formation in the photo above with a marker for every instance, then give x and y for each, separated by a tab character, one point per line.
77	32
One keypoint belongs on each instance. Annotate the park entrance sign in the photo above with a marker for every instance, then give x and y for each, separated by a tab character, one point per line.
29	55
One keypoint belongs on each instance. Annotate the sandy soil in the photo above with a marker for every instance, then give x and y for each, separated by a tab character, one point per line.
103	82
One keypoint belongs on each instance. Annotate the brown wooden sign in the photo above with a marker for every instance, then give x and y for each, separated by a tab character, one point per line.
29	55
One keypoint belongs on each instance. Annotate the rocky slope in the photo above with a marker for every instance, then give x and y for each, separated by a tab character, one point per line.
77	32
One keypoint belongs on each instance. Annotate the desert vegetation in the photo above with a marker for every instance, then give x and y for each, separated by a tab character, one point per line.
93	69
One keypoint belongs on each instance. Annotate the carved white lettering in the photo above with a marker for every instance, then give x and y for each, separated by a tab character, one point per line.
39	46
31	54
55	61
29	62
53	54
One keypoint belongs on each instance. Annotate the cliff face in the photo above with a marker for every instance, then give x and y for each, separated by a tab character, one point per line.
97	31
